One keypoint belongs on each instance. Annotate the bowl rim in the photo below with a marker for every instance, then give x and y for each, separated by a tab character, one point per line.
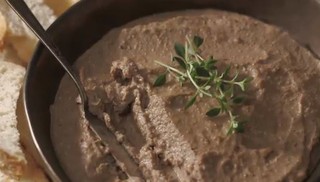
25	91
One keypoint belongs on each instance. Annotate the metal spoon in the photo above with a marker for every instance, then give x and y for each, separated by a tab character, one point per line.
98	126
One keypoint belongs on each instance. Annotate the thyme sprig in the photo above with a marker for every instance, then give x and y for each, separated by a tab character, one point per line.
204	75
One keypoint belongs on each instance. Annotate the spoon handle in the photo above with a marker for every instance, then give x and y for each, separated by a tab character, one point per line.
24	12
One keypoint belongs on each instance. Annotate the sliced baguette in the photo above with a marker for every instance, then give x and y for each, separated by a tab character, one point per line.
15	164
18	34
11	154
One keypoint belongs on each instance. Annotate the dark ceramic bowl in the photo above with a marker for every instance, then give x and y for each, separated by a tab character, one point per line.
81	26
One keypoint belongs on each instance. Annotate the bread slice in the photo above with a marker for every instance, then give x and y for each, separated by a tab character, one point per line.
15	163
11	154
18	34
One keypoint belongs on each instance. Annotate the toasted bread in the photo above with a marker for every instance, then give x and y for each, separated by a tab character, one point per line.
18	34
14	165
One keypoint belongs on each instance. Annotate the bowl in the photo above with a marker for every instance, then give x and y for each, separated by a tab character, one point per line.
86	22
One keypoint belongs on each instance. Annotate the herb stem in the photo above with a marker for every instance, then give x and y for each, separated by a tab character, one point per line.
222	80
196	85
231	116
230	82
186	57
171	68
202	78
199	57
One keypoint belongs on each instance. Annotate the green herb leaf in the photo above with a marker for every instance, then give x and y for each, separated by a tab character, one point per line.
161	80
229	92
207	87
242	86
202	72
218	84
239	126
180	50
197	41
247	81
191	101
244	83
235	77
210	64
238	100
223	102
230	130
226	72
213	112
180	61
223	87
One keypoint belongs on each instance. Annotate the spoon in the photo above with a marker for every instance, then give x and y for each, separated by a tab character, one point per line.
97	126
